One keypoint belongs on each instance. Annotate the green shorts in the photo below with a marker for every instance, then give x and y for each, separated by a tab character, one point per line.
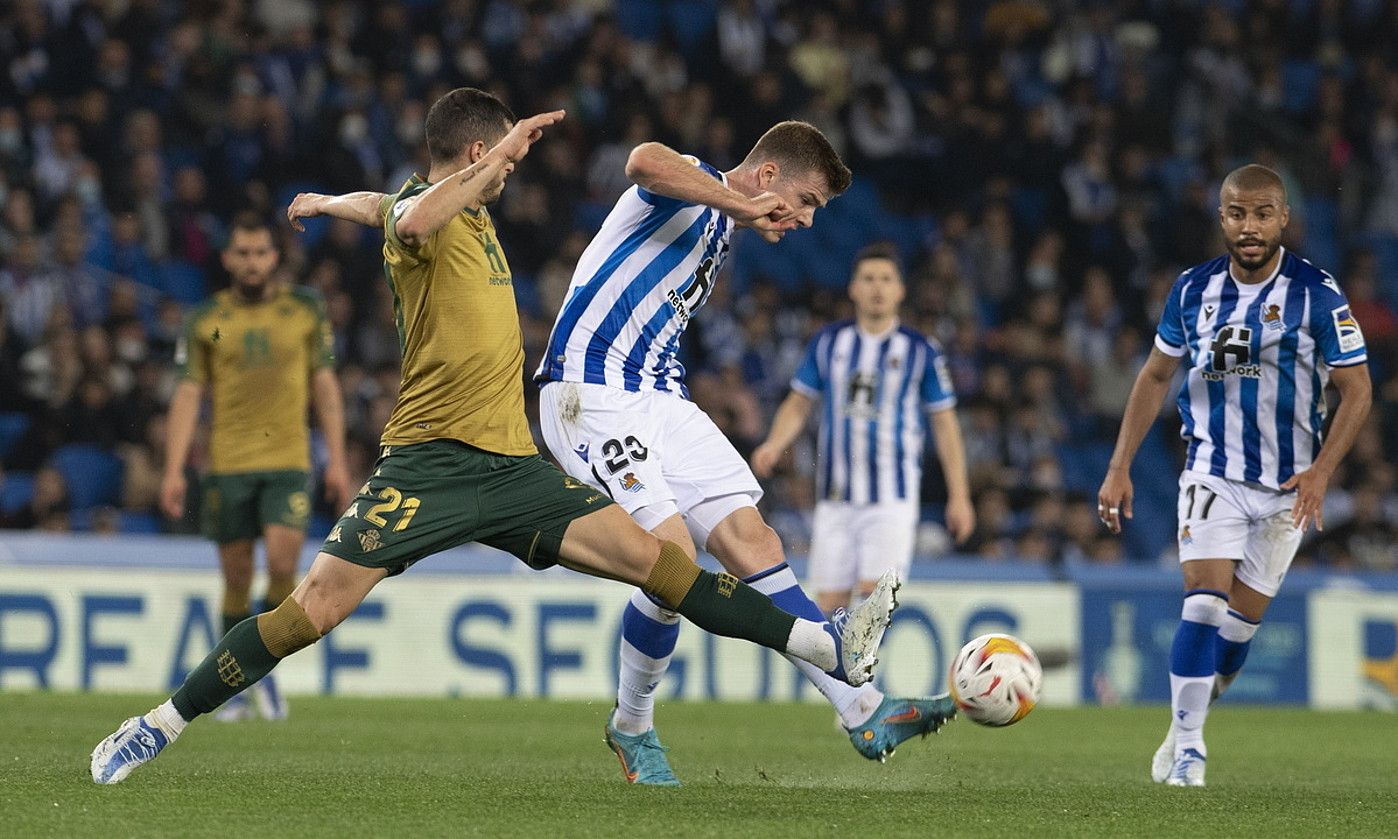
238	506
428	497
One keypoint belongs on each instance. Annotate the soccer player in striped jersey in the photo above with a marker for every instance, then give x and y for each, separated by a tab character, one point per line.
1262	331
876	380
616	414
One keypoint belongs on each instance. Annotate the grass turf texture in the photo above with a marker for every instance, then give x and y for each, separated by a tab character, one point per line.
492	768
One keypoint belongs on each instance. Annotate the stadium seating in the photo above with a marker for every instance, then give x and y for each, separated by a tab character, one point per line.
16	490
183	281
12	428
93	474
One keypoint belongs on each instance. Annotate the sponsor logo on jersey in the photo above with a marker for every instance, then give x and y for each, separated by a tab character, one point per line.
334	535
727	584
581	451
1347	330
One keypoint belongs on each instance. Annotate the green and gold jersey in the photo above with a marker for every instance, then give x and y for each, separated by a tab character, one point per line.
256	359
458	329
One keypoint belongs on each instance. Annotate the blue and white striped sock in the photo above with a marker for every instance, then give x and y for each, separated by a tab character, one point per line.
649	633
1234	638
854	705
1192	664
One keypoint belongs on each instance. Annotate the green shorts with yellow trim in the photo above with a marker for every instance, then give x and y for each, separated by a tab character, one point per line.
238	506
428	497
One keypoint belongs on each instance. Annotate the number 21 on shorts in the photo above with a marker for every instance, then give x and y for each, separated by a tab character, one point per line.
393	502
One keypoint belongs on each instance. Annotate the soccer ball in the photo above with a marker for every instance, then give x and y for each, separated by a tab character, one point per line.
995	680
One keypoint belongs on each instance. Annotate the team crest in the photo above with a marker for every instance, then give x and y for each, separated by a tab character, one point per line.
230	672
1347	330
1185	537
894	362
370	540
631	483
1272	318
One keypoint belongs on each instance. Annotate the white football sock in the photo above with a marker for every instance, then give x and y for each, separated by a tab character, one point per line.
640	674
854	704
1189	700
167	719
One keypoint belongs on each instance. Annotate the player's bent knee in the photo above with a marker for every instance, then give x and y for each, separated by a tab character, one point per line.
287	628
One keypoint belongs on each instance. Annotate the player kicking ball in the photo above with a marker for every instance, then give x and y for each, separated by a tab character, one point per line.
1262	331
458	463
616	414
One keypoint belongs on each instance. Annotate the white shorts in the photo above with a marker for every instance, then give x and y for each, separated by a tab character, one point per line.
654	453
853	542
1223	519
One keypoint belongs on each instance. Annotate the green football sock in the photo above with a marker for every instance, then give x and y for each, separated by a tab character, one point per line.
238	660
724	605
247	653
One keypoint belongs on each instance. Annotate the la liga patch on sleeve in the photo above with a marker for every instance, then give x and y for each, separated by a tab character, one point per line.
1347	330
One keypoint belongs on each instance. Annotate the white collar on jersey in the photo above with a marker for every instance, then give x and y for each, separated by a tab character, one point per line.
1281	257
878	336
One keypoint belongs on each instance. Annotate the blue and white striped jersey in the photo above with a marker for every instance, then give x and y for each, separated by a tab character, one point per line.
875	390
1253	401
644	275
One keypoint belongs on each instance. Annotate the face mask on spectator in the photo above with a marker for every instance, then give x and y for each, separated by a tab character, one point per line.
427	62
131	350
353	129
88	190
410	131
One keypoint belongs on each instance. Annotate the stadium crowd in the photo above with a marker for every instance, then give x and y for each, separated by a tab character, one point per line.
1046	169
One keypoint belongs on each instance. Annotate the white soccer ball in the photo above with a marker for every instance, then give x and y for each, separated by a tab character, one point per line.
995	680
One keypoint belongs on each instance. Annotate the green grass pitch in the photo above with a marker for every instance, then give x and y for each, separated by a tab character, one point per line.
413	767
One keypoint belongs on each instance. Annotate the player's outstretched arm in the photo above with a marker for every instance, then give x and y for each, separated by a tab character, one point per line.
359	207
415	219
1152	383
655	167
951	452
1356	395
786	427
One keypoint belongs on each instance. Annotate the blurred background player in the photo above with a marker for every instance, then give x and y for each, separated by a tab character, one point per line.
616	413
1262	330
260	347
876	379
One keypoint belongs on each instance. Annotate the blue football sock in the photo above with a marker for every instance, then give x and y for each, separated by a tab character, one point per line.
649	633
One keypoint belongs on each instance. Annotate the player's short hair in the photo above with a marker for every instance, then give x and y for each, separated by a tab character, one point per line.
249	222
1253	177
802	146
462	117
878	250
